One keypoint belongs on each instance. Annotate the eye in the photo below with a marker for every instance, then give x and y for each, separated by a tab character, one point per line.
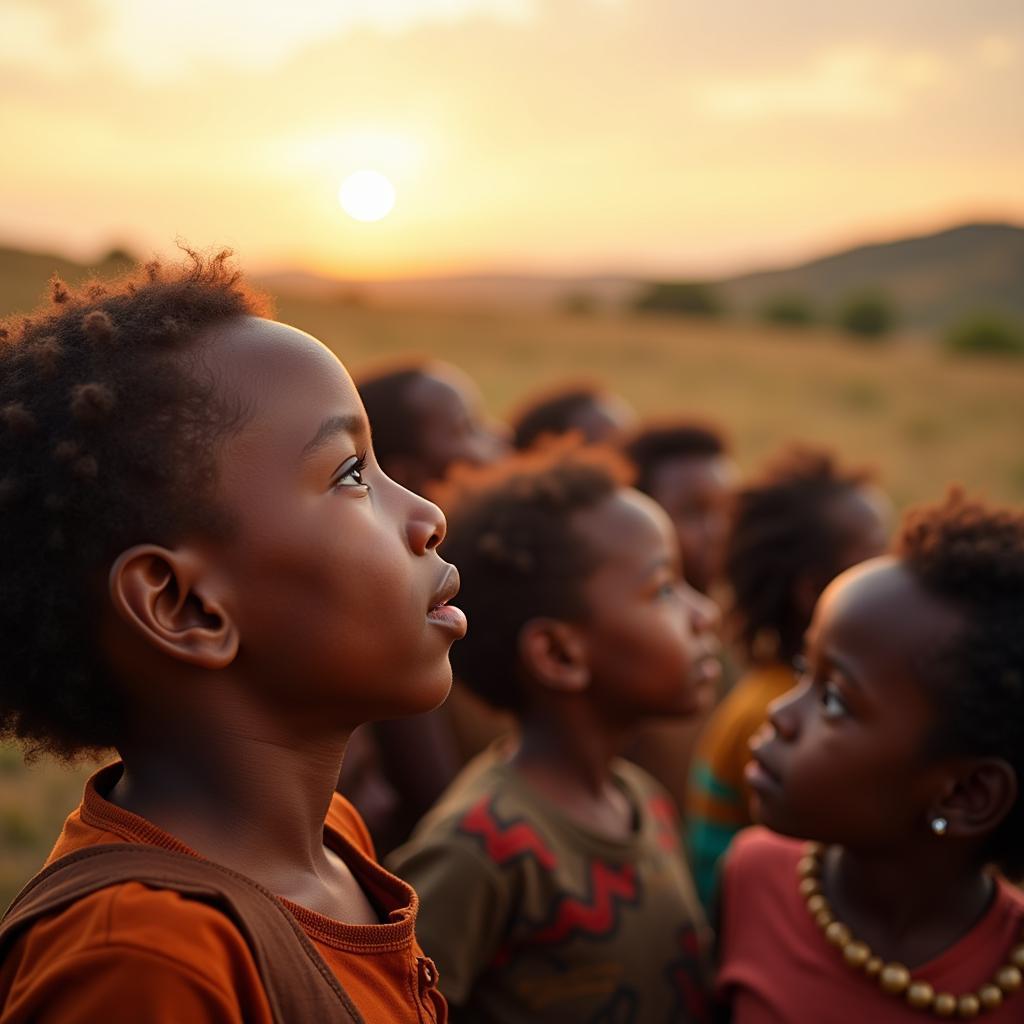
832	703
350	473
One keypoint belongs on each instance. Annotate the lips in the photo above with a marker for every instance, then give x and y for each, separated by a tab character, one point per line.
761	773
440	611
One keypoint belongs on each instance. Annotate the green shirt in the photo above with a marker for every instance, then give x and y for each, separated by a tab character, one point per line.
532	918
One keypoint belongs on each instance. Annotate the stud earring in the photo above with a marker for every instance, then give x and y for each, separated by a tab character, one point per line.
939	826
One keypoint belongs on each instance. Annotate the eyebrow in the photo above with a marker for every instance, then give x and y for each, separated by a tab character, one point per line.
331	428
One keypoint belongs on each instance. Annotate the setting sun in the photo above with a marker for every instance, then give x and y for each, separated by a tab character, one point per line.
367	195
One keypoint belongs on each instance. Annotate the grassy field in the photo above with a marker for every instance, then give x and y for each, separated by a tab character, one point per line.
923	418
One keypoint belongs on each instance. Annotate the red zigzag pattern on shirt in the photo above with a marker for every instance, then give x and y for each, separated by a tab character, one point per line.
505	842
598	914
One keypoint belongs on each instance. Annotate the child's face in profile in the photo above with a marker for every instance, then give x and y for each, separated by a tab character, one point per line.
331	573
651	645
843	758
695	490
452	426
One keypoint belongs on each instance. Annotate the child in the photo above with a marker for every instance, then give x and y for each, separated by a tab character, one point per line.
204	568
802	522
687	469
426	417
552	884
589	410
901	752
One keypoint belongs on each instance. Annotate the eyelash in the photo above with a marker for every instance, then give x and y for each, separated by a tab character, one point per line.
829	691
353	470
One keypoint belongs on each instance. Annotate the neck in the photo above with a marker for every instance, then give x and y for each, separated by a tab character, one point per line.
247	792
570	743
909	906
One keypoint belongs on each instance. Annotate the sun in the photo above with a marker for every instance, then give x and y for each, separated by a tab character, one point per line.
367	195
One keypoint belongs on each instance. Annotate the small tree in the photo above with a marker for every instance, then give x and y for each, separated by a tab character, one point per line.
788	308
869	315
986	333
688	298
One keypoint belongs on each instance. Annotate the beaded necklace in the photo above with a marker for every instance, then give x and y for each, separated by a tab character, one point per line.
893	977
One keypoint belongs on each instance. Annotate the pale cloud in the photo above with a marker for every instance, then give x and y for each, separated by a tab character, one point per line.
849	81
161	39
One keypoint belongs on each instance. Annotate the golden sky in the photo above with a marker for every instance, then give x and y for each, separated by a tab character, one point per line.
569	136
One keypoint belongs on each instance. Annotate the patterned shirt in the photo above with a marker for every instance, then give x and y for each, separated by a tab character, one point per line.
530	917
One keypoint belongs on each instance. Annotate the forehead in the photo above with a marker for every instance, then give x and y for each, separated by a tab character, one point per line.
283	380
443	394
686	474
627	532
878	612
601	416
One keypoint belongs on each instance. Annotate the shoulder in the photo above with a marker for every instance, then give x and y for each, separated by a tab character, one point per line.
759	851
132	946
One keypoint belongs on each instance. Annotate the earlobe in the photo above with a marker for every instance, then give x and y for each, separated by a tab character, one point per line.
157	592
555	654
979	800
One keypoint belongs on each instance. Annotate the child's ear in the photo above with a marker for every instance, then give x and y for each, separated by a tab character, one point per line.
979	799
555	654
158	593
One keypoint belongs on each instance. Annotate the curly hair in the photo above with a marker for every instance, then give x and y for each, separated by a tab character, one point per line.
510	532
656	443
971	557
107	439
781	531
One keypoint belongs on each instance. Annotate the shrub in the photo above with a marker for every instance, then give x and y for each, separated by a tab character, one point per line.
788	308
986	333
688	298
868	315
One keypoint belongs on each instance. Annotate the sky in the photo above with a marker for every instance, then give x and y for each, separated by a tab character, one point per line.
554	136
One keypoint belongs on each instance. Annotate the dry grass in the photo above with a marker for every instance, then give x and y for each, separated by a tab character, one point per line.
924	418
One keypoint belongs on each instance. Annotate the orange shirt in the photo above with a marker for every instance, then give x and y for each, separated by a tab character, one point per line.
776	967
129	953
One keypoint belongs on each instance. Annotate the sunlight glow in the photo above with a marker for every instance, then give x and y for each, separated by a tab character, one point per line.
367	195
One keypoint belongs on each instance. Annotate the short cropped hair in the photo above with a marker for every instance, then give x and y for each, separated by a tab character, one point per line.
781	531
393	420
552	413
510	532
107	439
971	556
656	443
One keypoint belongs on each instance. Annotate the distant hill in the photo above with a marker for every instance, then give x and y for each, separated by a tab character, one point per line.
23	275
932	278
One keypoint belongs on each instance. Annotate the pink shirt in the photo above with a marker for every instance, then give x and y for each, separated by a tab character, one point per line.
777	968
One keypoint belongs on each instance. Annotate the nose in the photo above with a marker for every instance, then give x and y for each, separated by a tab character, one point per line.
784	711
426	525
703	613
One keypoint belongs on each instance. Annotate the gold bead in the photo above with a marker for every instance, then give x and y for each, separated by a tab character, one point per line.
968	1007
945	1004
808	867
1017	956
1009	978
857	953
815	850
920	995
823	918
991	996
894	978
873	966
838	934
817	903
810	887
